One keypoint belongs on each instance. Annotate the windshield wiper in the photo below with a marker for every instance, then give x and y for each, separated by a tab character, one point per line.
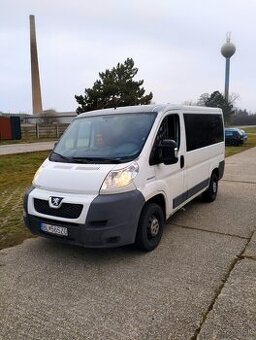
114	160
65	158
99	160
68	159
82	159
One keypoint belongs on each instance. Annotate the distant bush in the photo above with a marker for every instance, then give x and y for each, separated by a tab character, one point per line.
48	117
242	117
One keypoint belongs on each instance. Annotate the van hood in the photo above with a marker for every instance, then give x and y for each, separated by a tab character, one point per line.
71	178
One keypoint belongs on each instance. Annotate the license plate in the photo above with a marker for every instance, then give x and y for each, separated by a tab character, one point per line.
54	229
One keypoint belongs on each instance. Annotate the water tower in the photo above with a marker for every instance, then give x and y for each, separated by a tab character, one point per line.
227	50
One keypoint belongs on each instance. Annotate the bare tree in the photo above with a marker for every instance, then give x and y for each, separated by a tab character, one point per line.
48	117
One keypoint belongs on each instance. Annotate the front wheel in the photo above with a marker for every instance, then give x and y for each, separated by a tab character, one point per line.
211	193
150	228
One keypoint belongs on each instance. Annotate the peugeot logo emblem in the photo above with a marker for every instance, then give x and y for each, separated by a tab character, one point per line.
55	202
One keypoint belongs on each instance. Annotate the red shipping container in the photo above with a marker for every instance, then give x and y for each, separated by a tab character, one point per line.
5	128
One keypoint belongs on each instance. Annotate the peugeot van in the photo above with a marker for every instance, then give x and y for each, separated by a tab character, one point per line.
117	175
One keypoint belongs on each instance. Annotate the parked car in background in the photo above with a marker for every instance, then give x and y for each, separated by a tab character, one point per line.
235	136
244	134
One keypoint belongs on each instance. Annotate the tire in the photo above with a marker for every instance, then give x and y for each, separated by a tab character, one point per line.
211	193
150	228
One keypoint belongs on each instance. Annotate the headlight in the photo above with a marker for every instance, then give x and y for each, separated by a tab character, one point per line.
37	174
120	179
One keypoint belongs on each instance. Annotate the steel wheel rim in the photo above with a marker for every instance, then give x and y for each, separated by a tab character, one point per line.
214	187
153	228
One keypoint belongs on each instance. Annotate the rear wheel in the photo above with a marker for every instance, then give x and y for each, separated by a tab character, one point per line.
150	228
211	193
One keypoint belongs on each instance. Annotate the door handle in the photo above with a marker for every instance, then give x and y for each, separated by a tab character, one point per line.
182	161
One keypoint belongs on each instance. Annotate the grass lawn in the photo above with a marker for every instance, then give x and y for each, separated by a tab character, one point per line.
250	129
16	174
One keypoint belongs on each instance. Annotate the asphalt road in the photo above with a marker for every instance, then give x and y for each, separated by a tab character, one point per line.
200	283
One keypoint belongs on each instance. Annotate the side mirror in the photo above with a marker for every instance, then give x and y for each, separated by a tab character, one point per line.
168	151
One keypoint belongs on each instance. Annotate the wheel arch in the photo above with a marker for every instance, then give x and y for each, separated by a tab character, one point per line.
216	172
158	199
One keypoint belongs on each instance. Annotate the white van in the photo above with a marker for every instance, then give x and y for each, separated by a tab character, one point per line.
116	175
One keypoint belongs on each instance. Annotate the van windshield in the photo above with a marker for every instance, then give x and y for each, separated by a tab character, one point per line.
116	138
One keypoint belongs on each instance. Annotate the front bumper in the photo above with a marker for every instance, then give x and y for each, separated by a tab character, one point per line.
111	221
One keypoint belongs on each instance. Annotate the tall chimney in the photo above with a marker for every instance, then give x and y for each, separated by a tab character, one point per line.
36	88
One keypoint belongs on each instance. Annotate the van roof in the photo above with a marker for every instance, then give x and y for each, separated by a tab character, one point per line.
150	108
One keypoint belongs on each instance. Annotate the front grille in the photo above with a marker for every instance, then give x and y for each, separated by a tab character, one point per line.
67	210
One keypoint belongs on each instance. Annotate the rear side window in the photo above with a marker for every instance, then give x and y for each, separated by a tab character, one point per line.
230	133
203	130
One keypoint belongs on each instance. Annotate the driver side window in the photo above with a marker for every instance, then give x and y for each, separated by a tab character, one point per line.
169	129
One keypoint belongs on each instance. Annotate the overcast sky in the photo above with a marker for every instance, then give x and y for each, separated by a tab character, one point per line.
175	45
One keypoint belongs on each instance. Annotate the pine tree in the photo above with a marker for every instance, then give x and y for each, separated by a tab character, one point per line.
216	99
115	87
